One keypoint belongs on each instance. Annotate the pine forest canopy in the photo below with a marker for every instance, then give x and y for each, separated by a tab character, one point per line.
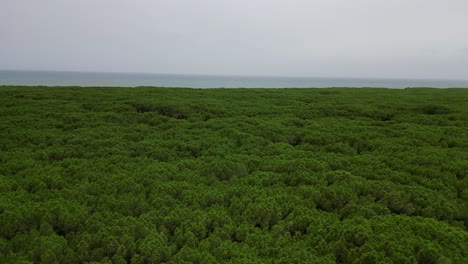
153	175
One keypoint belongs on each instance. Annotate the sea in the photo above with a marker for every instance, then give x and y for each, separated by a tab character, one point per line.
101	79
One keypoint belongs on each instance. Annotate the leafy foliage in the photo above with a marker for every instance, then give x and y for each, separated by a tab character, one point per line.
150	175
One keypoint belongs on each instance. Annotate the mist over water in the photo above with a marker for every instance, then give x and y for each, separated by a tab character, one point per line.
36	78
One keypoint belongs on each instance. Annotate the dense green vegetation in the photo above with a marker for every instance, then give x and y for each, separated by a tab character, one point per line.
149	175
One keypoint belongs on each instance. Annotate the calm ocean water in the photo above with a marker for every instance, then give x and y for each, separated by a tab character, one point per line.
34	78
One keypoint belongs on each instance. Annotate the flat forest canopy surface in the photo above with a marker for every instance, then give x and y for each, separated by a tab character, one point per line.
149	175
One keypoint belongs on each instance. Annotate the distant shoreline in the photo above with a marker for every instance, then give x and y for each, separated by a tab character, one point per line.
95	79
225	88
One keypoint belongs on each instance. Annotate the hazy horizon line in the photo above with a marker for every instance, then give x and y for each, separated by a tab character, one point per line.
230	75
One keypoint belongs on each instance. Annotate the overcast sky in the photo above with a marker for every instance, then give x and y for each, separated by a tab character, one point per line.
322	38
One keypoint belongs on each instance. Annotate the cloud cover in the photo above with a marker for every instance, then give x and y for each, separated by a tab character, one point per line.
322	38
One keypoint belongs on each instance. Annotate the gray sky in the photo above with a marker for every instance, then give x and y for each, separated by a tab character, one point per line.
322	38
